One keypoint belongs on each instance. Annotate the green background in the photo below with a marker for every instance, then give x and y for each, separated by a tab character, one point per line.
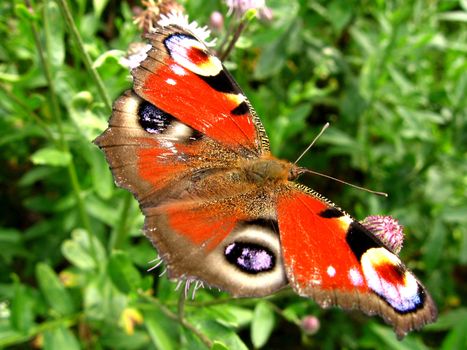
390	77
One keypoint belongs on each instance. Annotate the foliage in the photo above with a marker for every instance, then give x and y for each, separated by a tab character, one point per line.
389	76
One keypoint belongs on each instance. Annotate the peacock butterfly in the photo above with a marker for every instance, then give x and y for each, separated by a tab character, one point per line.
221	209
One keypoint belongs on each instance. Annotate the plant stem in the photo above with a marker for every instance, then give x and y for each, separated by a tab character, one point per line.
56	113
121	230
84	55
170	314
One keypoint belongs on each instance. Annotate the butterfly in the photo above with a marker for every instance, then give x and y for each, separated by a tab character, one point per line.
220	208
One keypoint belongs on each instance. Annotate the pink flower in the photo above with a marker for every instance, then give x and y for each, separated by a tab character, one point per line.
216	21
387	229
310	324
239	7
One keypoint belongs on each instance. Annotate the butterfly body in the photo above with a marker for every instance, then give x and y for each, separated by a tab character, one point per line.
220	208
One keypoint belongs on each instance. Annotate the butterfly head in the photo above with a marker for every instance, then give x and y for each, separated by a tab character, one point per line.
269	169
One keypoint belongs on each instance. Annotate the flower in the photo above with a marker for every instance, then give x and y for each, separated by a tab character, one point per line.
129	318
239	7
216	21
180	19
310	324
387	229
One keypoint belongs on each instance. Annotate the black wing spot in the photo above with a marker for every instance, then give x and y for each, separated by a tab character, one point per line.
241	109
251	258
331	213
221	82
360	239
153	119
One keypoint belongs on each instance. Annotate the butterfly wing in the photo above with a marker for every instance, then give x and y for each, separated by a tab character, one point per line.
176	142
230	242
185	115
182	77
336	261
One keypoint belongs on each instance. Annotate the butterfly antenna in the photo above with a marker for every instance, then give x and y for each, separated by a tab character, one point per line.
304	170
312	143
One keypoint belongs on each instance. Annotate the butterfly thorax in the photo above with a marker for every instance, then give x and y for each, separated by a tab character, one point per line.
268	169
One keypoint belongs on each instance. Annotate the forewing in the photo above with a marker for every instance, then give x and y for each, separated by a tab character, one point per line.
181	77
154	155
336	261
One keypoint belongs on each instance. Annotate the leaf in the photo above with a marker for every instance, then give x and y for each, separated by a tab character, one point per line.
215	331
157	324
54	34
53	290
99	6
11	244
454	16
456	338
79	252
449	320
262	324
51	156
122	272
60	338
217	345
22	316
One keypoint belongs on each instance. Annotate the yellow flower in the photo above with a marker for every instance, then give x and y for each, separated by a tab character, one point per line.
129	318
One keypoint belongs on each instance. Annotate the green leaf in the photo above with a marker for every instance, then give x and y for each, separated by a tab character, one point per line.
22	316
51	156
123	273
99	6
79	252
53	290
59	339
449	320
262	324
54	34
215	331
456	338
157	326
217	345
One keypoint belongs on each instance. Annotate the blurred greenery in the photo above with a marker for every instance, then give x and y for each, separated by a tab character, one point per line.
391	78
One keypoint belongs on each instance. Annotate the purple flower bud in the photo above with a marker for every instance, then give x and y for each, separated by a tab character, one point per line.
239	7
216	21
310	324
387	229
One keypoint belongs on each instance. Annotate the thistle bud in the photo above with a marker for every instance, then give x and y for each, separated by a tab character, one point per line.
387	229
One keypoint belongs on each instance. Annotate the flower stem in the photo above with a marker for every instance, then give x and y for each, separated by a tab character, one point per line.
84	54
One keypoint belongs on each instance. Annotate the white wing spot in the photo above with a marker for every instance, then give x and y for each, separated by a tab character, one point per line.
355	277
178	70
331	271
171	81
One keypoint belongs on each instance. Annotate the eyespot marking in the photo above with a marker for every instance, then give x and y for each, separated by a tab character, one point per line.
192	55
153	119
156	121
388	278
250	257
